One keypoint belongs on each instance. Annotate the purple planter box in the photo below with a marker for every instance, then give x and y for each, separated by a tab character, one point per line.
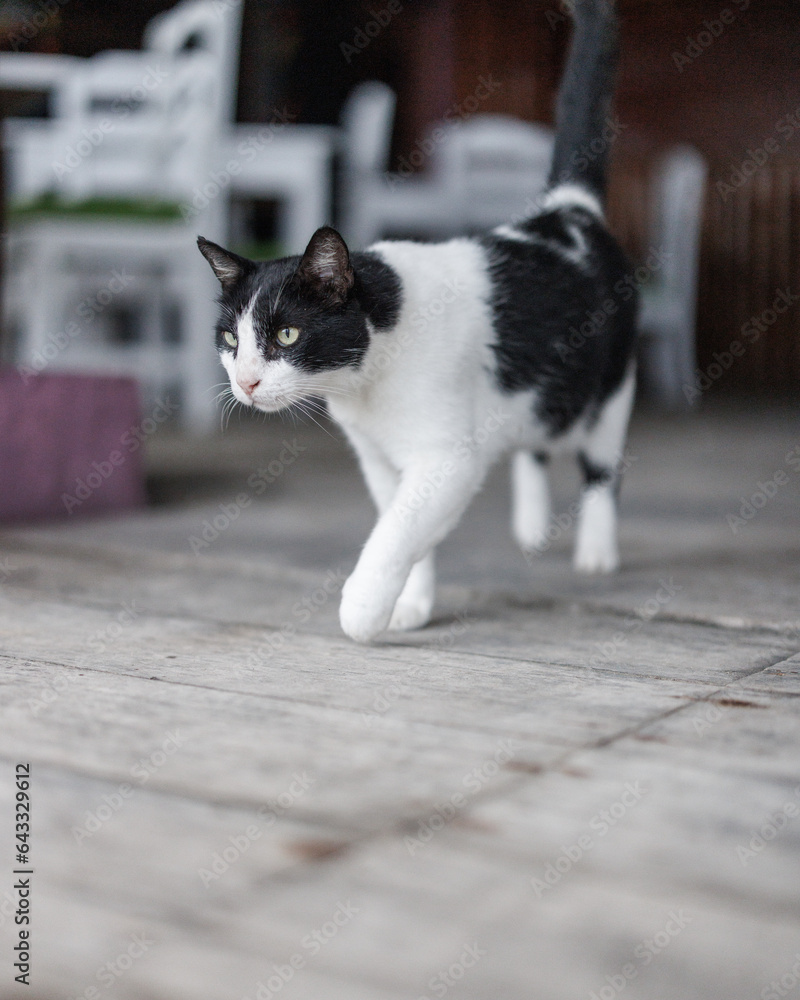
70	445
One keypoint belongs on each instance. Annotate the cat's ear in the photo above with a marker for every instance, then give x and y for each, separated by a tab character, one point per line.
324	270
229	267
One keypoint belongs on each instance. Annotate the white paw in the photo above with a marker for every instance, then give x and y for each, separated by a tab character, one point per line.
531	540
410	613
530	507
364	611
597	556
596	544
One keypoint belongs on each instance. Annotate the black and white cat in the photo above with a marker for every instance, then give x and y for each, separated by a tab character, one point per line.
438	359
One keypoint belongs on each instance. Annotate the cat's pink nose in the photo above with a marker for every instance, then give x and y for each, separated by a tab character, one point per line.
248	384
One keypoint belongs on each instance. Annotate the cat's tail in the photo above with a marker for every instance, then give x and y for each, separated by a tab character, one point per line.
584	101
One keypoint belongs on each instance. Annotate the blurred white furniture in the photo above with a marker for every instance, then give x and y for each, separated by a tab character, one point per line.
141	127
494	167
480	172
133	130
153	129
374	202
29	143
91	296
291	164
37	71
288	163
112	115
212	26
669	299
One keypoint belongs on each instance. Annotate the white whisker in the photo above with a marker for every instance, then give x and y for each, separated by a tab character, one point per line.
304	408
281	287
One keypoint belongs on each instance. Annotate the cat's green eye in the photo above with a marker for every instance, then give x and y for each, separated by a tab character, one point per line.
230	338
288	335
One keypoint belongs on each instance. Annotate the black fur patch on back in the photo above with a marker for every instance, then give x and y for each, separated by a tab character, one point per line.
565	328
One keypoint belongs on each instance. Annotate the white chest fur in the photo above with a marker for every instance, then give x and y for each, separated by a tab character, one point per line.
428	384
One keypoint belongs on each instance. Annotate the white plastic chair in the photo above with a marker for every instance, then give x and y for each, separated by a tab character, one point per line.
86	92
213	26
669	300
481	172
493	165
166	107
374	202
285	162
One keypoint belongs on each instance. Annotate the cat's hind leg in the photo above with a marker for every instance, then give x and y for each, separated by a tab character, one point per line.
602	462
596	545
530	500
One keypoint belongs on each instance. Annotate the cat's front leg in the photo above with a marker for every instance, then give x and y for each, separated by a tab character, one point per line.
415	604
413	607
431	498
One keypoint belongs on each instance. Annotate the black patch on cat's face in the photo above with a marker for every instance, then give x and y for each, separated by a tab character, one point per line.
324	293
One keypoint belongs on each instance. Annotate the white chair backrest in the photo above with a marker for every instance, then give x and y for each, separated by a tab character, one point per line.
190	134
368	118
491	167
678	217
496	151
113	85
211	25
131	123
141	125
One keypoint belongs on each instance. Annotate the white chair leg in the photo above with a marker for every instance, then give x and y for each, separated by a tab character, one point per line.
43	309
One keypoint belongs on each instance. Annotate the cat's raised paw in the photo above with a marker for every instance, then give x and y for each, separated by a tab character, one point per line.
410	614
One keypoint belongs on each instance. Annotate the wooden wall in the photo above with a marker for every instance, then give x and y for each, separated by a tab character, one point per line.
737	100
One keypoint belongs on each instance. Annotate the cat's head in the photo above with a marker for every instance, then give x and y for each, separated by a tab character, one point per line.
292	328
